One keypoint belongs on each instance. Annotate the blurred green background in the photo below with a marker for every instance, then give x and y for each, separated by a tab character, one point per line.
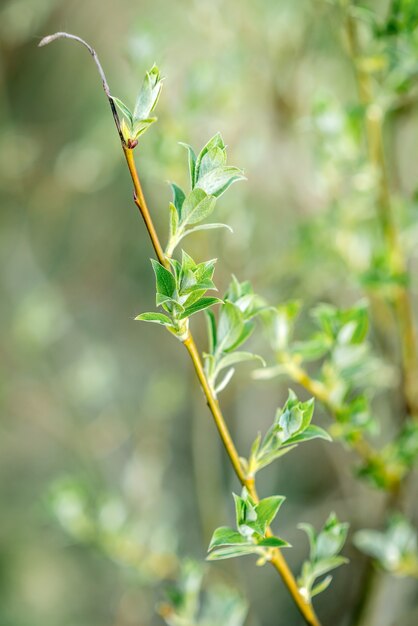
110	469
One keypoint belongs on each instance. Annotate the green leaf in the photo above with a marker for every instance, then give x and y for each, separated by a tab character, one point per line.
327	565
247	330
224	381
200	305
195	296
178	197
218	180
215	142
157	318
203	227
291	421
124	109
268	373
230	326
266	458
371	542
273	542
313	349
192	163
267	510
311	432
187	262
174	220
176	267
255	446
280	322
331	539
225	536
168	303
188	281
244	509
148	94
140	126
214	158
232	551
310	531
307	412
320	587
295	416
166	284
211	326
324	557
199	285
237	357
196	207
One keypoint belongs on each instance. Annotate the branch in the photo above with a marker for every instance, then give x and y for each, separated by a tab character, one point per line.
277	560
360	445
402	300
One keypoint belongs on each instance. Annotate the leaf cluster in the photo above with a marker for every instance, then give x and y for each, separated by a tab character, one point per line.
395	460
136	122
324	556
291	426
210	177
251	536
395	549
235	324
348	370
181	293
188	603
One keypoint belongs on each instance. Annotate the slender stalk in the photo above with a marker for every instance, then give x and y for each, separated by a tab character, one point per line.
140	202
277	559
61	35
214	408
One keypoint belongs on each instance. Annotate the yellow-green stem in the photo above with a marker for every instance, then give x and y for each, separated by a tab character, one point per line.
277	559
140	202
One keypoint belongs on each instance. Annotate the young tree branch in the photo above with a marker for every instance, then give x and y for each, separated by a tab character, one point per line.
277	559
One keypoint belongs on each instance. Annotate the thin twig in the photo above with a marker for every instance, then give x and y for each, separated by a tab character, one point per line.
367	453
373	120
61	35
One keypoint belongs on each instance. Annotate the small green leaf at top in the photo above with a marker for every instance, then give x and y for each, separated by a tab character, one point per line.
148	95
136	122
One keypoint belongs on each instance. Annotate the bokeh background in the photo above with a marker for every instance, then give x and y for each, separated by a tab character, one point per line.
111	473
